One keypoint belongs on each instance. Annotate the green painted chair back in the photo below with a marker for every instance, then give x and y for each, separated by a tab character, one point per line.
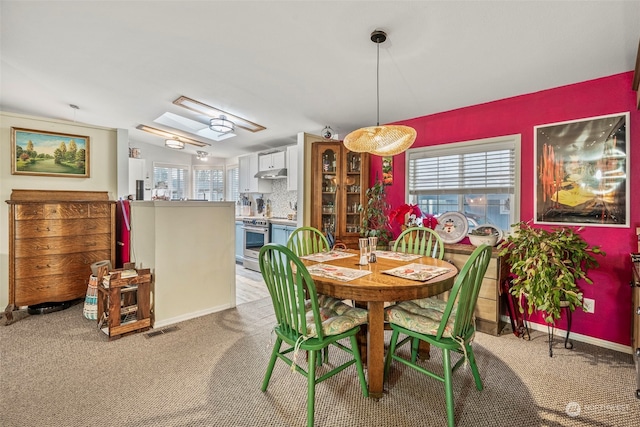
420	241
464	294
307	240
463	297
294	299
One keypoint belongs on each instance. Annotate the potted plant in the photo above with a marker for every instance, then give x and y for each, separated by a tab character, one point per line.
547	265
375	213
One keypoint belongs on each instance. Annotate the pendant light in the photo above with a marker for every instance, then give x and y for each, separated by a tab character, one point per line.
386	140
221	125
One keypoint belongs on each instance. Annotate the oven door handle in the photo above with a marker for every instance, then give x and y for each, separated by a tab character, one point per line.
256	230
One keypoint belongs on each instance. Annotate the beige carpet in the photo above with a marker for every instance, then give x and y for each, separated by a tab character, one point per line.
58	370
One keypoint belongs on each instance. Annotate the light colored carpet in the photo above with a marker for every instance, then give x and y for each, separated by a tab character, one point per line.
59	370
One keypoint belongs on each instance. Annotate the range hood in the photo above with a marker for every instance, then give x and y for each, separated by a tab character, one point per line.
272	174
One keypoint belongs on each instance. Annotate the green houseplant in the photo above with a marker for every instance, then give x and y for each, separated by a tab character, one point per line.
375	221
547	264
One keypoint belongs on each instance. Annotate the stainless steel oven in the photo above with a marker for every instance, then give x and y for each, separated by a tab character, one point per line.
256	235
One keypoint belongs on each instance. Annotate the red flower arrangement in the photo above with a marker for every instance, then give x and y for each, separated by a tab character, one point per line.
407	215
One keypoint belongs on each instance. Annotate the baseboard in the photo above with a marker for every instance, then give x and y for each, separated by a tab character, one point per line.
187	316
577	337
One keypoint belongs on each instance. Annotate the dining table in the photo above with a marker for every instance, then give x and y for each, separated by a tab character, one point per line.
394	277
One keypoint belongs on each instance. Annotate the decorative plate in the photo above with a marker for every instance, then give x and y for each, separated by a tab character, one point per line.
489	229
452	227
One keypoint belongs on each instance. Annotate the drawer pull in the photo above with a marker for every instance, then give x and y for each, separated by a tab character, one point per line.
88	245
43	229
41	267
43	248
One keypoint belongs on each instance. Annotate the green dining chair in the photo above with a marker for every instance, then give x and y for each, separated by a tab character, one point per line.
449	326
420	241
303	323
307	240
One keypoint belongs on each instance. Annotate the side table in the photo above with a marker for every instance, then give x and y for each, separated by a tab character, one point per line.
124	303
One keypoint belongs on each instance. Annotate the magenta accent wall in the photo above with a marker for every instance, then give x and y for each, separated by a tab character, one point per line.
518	115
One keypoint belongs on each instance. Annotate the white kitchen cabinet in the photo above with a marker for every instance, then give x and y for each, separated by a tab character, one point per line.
292	168
271	161
247	168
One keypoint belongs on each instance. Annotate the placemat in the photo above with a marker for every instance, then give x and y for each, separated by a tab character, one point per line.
343	274
327	256
418	272
396	255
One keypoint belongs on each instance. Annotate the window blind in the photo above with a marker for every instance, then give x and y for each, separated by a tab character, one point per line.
208	183
481	168
173	178
233	183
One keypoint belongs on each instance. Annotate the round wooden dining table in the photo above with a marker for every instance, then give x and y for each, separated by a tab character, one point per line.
374	290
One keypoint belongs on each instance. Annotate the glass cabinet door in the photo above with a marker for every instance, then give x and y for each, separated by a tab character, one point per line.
339	180
353	188
330	185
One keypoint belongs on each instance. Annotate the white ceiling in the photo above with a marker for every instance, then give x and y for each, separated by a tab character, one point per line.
295	66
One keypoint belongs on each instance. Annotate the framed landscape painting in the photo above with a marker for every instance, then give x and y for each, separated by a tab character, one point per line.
37	152
581	172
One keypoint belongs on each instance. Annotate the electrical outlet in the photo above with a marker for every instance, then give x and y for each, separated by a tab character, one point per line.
589	305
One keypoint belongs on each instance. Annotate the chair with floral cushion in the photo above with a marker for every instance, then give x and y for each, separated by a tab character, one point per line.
420	241
307	323
305	241
449	326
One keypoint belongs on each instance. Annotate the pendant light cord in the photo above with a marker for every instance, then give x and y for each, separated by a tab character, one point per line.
378	85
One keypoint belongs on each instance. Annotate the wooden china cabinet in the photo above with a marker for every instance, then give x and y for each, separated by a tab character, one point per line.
338	188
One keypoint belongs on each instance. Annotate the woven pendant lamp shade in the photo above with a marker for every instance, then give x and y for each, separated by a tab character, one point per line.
381	140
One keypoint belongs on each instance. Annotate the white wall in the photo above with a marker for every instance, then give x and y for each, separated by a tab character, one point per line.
103	170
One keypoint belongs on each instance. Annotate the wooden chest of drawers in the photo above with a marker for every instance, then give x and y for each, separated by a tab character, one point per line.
488	308
54	237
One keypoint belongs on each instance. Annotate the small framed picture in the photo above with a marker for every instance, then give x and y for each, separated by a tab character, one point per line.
44	153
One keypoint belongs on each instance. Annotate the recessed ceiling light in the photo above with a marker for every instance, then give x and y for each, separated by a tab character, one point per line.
169	135
207	110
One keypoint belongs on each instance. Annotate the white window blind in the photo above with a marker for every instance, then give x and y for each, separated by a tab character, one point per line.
208	183
173	178
233	183
479	178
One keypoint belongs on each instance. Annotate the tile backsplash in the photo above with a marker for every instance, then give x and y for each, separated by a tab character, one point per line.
280	198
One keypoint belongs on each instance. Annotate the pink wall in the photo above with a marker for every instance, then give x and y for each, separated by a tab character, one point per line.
518	115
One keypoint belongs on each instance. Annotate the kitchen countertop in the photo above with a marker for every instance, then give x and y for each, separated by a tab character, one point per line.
279	221
283	221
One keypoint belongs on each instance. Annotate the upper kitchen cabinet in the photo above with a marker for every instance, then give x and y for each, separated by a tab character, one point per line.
269	161
338	189
292	168
247	169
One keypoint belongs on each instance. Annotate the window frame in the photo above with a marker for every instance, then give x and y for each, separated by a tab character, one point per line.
228	191
473	146
187	189
195	168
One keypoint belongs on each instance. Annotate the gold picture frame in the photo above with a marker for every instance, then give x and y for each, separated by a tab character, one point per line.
44	153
